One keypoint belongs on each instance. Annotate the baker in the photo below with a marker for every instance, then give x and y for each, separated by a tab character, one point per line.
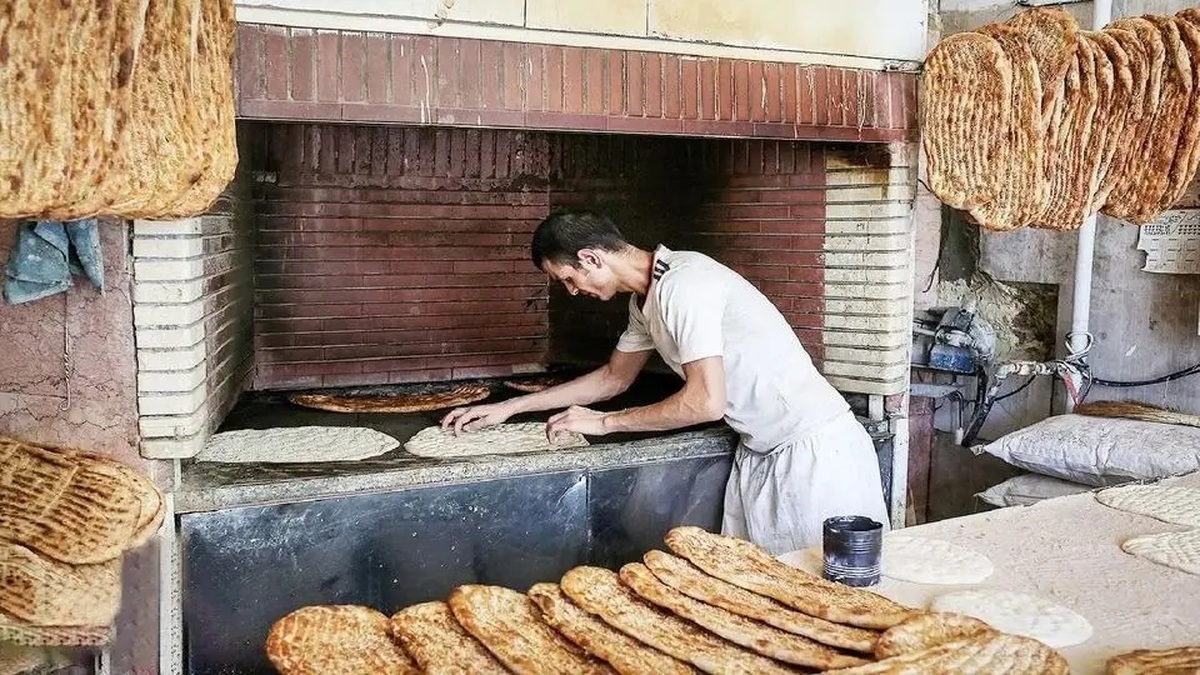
802	456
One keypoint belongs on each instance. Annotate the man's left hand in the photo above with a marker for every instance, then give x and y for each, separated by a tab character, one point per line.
578	419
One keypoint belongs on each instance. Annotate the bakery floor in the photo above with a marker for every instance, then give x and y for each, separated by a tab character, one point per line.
210	485
1068	550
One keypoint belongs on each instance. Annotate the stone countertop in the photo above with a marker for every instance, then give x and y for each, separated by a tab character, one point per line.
208	486
1068	550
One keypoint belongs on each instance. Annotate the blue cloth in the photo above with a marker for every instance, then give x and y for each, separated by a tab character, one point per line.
46	255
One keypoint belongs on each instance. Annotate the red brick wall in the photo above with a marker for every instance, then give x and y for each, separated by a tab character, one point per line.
302	74
397	254
389	254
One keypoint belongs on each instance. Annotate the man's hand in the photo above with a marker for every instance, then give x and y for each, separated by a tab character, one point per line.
476	417
578	419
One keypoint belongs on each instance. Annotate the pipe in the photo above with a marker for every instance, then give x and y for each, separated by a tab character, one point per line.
1085	247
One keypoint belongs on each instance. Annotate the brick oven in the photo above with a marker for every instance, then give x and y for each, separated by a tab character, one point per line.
377	235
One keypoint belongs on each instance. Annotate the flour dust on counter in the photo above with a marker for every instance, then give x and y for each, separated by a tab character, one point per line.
296	444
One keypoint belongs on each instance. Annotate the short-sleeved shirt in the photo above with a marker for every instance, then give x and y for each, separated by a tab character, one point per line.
697	308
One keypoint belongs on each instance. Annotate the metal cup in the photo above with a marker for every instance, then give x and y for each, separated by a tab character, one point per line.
853	550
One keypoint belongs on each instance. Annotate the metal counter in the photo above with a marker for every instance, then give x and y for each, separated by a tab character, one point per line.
243	568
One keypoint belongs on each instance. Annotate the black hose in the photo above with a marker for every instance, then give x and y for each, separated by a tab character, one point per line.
984	398
1177	375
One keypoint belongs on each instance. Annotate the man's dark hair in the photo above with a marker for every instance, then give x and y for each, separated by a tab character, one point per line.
560	237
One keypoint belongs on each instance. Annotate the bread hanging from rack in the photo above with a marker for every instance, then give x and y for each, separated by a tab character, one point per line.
121	108
1035	123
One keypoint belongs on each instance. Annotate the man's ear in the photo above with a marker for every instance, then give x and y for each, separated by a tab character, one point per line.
590	258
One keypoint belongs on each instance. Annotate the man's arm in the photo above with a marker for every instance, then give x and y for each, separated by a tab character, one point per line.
702	399
601	384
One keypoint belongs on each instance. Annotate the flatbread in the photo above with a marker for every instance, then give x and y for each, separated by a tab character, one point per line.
755	636
928	631
1071	158
689	580
530	385
335	640
296	444
1176	661
932	561
394	403
69	505
600	592
1018	614
1052	34
1127	108
1187	155
434	639
996	653
625	654
501	439
1177	505
1180	550
18	632
1021	188
966	94
50	593
511	627
743	564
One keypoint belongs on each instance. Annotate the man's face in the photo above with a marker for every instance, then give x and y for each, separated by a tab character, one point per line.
592	277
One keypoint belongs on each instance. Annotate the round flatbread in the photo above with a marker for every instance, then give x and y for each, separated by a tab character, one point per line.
932	561
1180	550
296	444
1177	505
502	439
1019	614
336	640
394	403
530	385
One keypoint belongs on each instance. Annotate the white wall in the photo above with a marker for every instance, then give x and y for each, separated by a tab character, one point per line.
864	33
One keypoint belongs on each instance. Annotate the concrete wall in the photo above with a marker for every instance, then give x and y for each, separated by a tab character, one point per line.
1145	324
102	416
852	29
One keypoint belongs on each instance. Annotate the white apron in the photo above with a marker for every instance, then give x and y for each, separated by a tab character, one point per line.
779	500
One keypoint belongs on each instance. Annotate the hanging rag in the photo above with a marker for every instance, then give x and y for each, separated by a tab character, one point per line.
47	254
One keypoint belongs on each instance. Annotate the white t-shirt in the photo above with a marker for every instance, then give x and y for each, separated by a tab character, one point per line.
696	308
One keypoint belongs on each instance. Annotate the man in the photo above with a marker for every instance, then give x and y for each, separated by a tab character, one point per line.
803	457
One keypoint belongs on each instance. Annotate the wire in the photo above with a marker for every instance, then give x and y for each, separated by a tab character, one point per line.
1177	375
1018	390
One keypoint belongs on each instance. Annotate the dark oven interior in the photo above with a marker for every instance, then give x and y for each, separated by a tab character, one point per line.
391	257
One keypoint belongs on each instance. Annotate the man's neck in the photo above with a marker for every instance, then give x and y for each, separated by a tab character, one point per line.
632	268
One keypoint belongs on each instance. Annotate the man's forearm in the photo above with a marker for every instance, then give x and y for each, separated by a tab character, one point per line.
674	412
597	385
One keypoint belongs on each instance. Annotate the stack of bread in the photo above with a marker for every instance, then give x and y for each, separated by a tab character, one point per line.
66	519
121	108
711	604
1036	123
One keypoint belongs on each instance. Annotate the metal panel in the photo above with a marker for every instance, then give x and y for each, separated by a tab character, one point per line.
245	568
631	509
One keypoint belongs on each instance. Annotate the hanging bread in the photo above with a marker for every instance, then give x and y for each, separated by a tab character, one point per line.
121	109
967	105
1020	189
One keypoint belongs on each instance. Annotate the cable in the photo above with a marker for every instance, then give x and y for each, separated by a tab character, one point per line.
1018	390
1177	375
